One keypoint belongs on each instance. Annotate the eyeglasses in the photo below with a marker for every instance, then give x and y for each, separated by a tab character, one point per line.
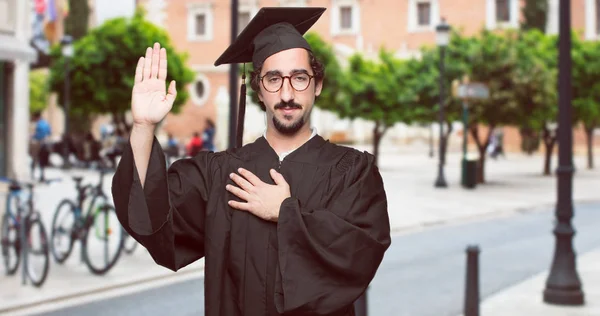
274	82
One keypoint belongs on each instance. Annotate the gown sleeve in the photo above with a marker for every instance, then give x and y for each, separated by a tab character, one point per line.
167	215
328	257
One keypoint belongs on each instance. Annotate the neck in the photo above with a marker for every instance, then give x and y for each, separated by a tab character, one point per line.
282	143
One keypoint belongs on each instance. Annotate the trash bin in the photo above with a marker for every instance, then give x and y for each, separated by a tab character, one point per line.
469	172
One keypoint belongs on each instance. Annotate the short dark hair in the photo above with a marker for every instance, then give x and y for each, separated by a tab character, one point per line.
317	67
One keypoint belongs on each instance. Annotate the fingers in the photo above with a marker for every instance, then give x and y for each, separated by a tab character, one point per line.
238	192
277	177
162	65
241	182
147	64
171	93
239	205
139	70
250	176
155	60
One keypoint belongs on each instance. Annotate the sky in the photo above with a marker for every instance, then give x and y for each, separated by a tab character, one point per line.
108	9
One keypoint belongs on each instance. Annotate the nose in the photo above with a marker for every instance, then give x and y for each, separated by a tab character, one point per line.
287	92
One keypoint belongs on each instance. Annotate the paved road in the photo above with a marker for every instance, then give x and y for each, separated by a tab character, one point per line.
422	274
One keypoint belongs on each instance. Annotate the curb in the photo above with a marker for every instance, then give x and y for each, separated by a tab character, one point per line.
100	290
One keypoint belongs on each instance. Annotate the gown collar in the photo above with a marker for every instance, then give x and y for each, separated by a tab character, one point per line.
307	152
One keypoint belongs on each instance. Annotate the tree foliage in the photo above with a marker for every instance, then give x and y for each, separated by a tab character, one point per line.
38	90
103	67
586	88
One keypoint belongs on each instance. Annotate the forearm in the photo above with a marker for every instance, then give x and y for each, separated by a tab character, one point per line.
141	140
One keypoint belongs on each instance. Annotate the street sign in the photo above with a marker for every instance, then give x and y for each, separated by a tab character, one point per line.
474	90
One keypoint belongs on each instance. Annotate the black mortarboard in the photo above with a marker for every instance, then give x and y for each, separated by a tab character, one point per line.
272	30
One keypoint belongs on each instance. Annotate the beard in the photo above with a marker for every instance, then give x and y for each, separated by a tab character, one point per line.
292	128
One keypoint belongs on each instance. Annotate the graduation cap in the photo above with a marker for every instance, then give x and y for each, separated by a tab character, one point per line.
272	30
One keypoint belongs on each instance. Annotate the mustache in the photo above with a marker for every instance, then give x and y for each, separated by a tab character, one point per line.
290	104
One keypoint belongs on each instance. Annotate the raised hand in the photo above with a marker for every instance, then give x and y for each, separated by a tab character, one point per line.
150	100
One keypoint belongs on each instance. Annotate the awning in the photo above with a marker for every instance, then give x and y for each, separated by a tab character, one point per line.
14	49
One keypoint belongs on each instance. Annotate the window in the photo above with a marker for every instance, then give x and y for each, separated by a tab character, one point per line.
423	15
345	17
7	16
292	3
424	11
502	11
199	90
200	22
246	12
502	14
243	20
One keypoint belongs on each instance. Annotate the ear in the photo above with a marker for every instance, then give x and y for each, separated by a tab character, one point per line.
259	93
318	87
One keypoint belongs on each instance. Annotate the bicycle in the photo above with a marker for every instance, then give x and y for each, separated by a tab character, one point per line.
98	223
20	243
129	244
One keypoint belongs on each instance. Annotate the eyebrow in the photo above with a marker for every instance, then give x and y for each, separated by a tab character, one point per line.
293	72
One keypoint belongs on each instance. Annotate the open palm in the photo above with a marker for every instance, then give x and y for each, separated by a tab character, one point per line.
150	100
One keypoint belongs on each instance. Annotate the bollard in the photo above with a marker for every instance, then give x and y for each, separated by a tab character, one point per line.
472	282
360	305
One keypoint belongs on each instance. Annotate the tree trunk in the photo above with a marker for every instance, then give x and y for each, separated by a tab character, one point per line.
378	132
549	142
482	147
589	133
445	144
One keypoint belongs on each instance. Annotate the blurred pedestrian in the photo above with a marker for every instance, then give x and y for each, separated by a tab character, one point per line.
194	146
39	146
172	149
208	136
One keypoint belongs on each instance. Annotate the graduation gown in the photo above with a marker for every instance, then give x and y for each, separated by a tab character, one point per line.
317	259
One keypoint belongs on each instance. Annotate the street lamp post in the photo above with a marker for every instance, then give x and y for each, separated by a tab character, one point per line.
442	39
465	119
233	81
563	286
67	52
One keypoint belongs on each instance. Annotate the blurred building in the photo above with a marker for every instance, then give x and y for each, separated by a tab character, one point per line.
16	55
202	27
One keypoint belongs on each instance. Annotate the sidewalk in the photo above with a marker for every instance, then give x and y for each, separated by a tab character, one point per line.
514	185
526	298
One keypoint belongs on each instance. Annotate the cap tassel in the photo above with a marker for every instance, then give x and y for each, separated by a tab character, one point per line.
241	111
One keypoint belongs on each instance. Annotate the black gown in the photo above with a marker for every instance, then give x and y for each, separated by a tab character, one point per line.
318	258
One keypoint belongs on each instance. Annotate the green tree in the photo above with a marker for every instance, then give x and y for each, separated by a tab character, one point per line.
427	86
488	58
103	68
76	23
38	90
586	89
382	91
535	15
535	82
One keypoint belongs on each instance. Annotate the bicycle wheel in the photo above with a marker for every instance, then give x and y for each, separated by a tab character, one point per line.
129	243
63	235
103	239
38	254
10	244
